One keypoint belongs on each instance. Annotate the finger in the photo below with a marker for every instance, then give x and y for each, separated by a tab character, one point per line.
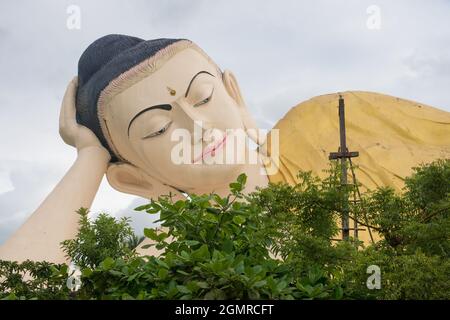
68	110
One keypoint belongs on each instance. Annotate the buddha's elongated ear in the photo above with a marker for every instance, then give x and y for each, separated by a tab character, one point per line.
127	178
231	84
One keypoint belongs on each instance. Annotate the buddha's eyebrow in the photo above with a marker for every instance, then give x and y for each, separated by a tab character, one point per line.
166	107
193	78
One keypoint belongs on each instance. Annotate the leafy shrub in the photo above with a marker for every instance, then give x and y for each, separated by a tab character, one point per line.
304	218
276	243
415	250
408	222
410	276
105	237
38	280
220	251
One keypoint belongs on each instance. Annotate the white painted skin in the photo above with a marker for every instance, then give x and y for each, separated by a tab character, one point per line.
149	170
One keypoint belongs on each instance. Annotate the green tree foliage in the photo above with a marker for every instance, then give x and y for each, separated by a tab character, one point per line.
104	237
415	248
276	243
304	221
33	280
408	222
220	251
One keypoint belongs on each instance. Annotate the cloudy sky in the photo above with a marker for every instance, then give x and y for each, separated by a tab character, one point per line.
282	53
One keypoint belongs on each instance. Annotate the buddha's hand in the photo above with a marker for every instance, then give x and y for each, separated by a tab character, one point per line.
72	132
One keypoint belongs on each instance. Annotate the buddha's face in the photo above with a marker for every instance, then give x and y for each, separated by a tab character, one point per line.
146	119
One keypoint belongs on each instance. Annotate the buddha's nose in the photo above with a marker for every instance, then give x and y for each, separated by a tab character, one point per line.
205	133
212	134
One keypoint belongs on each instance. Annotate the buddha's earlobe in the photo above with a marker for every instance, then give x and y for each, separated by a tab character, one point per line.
129	179
232	87
230	82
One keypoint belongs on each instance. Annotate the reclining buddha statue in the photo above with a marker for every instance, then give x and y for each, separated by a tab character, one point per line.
133	101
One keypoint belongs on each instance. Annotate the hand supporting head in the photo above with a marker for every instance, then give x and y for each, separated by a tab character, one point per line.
139	95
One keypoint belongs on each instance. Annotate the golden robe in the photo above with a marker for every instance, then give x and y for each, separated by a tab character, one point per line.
392	135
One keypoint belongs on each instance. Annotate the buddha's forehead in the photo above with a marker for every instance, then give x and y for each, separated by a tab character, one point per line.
163	86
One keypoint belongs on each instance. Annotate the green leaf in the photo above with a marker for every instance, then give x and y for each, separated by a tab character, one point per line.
211	217
213	210
281	285
191	243
238	220
203	234
202	284
151	233
142	208
132	277
183	272
87	272
221	201
242	179
127	296
161	245
227	246
215	294
162	273
183	289
116	273
107	263
10	296
253	294
64	269
260	283
235	187
162	236
185	255
338	293
153	209
162	263
201	253
258	269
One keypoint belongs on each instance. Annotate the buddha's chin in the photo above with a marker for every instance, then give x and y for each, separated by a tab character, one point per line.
218	168
202	176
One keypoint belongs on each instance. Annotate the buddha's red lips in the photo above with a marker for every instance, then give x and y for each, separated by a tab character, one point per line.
211	149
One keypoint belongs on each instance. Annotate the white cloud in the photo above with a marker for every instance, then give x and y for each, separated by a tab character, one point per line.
30	183
282	52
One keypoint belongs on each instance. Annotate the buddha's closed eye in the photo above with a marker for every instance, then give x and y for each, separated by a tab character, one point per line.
159	132
205	100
